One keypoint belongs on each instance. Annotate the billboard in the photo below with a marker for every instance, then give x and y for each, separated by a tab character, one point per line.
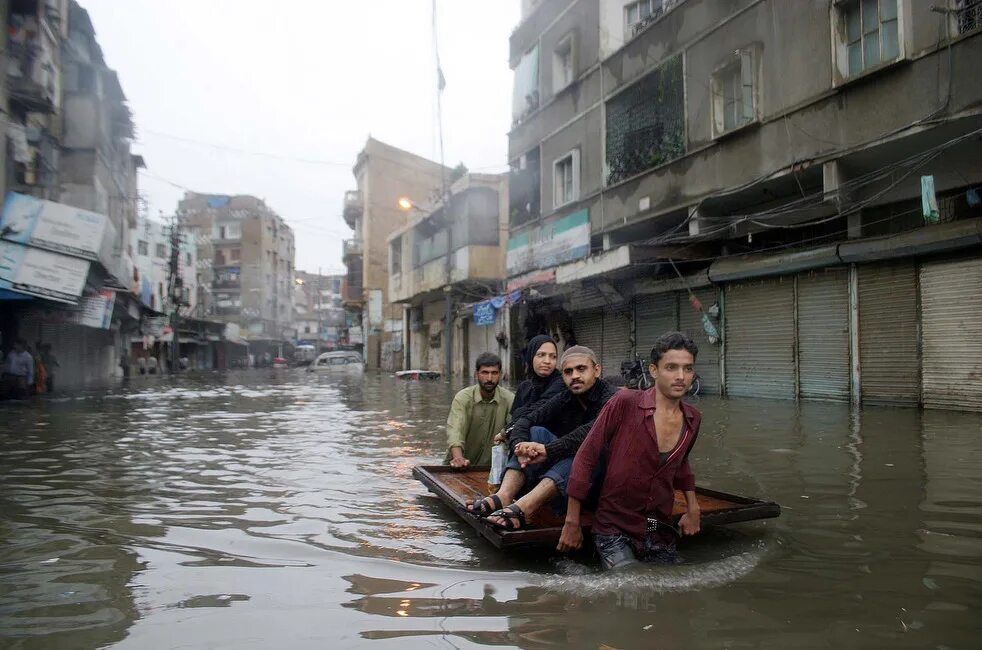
41	273
55	227
552	244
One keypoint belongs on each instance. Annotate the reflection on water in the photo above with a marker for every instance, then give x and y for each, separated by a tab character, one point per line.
265	509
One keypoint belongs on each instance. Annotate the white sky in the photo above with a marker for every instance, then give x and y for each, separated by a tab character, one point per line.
303	79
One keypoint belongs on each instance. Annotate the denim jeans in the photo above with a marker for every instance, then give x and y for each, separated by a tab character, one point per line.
557	471
620	550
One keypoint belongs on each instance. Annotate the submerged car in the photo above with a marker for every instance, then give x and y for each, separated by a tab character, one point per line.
341	361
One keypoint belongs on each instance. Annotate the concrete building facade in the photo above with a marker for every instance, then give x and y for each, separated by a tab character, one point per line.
444	259
69	133
384	174
752	172
245	269
319	315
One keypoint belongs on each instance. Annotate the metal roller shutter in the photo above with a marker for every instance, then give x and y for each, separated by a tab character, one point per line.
951	317
888	358
760	338
823	334
690	322
653	316
588	326
617	345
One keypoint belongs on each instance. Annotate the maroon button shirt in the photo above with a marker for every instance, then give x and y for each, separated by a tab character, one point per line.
637	484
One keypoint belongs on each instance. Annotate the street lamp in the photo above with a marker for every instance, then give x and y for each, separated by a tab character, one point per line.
406	204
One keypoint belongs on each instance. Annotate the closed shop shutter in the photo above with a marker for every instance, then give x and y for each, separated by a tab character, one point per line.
951	319
690	323
588	327
760	338
823	334
888	359
617	346
654	315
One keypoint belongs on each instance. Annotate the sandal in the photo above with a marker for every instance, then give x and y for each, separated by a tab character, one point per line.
510	514
482	508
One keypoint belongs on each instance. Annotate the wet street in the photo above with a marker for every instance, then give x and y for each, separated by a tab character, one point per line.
277	509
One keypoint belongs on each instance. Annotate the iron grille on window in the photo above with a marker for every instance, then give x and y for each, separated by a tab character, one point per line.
969	15
646	123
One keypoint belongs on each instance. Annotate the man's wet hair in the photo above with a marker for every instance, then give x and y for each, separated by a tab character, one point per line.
672	341
487	359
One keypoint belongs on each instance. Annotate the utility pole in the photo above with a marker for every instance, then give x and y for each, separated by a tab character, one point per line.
447	290
320	291
175	287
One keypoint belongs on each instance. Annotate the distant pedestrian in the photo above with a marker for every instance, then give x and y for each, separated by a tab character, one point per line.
50	362
18	372
141	364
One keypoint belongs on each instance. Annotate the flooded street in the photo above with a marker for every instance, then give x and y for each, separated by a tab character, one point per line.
258	510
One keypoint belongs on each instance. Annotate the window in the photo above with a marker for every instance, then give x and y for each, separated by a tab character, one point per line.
646	123
228	231
566	176
871	34
524	188
968	15
187	259
142	248
235	254
396	255
161	250
525	95
563	66
734	93
638	15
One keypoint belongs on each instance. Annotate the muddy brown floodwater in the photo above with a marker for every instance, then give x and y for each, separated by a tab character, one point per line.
276	509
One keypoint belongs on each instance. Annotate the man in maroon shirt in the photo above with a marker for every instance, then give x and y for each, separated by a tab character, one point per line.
648	436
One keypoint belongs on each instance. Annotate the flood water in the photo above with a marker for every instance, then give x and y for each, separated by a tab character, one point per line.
277	509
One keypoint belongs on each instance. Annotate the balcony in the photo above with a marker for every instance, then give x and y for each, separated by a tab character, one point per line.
352	293
470	264
32	74
351	248
353	207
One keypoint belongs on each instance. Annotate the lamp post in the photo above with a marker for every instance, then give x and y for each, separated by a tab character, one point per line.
407	204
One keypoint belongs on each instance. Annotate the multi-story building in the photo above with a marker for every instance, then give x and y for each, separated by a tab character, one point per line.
795	184
449	255
250	278
319	315
151	244
384	175
70	133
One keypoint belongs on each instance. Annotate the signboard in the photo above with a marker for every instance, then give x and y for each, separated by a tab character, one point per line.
549	245
96	311
41	273
484	313
542	277
355	335
375	308
53	226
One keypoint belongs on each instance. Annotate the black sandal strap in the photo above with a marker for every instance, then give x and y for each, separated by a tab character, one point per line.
511	513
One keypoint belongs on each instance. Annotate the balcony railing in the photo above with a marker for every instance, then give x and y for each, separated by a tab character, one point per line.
353	207
32	75
351	248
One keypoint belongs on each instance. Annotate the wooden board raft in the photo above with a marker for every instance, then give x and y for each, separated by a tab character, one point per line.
456	487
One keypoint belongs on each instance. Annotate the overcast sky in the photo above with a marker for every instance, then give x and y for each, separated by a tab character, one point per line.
303	80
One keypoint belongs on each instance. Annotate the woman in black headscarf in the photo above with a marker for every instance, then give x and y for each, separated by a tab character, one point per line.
544	381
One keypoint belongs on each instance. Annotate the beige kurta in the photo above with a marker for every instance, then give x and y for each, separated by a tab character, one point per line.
474	421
